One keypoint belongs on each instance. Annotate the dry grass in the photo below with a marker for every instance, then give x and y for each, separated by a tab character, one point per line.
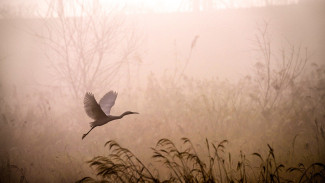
121	165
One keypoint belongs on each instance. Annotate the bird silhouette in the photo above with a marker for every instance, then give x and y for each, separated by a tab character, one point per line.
101	112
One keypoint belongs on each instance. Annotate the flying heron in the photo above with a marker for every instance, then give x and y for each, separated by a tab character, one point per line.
101	112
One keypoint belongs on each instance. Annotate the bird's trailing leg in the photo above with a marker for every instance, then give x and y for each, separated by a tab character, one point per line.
84	135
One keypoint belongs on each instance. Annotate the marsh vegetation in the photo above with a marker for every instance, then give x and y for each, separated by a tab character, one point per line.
264	126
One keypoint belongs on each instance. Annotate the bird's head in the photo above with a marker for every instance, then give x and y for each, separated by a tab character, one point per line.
129	112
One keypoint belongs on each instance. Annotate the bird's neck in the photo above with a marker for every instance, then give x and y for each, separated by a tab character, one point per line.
117	117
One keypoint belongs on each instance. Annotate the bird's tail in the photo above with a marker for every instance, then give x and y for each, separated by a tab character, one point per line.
92	124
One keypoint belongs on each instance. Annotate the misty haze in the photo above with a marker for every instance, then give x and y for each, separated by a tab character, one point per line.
162	91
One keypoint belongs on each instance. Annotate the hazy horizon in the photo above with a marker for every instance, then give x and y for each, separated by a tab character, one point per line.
253	76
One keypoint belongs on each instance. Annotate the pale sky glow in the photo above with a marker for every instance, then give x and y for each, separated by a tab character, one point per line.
184	5
146	5
127	6
73	8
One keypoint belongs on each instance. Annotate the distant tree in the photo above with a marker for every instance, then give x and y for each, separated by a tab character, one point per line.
277	70
87	46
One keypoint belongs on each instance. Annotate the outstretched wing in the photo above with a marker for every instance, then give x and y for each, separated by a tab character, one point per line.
107	102
92	108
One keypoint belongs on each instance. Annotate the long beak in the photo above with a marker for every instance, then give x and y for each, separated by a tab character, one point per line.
135	113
